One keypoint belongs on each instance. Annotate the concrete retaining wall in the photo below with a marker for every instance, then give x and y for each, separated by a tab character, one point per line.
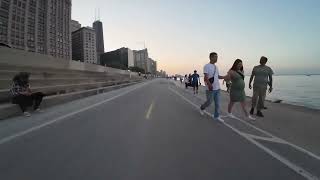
16	57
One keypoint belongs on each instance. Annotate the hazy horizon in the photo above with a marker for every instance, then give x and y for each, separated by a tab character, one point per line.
181	34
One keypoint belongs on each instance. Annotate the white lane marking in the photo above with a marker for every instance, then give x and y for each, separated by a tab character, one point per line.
22	133
275	137
283	160
264	138
149	110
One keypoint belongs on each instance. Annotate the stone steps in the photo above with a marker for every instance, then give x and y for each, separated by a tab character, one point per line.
8	110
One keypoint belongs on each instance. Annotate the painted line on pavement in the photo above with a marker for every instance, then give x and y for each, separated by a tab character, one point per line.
35	128
149	110
283	160
274	137
275	140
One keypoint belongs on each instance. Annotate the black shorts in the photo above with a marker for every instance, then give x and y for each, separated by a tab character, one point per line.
195	85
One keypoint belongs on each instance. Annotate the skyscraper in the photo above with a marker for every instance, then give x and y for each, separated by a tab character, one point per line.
74	25
121	58
141	58
84	45
41	26
97	26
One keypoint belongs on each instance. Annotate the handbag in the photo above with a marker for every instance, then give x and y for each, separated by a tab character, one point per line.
211	80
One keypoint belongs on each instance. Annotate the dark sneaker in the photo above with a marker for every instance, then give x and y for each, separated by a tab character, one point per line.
259	113
265	108
252	111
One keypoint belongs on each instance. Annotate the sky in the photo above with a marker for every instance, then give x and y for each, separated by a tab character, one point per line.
180	34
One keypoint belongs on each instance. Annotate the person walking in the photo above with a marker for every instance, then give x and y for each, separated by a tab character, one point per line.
186	81
211	79
189	79
22	94
195	82
262	75
237	93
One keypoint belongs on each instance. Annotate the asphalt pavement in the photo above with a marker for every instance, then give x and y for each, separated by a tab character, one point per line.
146	131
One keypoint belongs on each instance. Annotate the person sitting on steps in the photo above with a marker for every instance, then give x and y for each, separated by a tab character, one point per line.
22	94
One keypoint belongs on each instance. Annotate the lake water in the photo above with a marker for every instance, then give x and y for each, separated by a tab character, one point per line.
299	90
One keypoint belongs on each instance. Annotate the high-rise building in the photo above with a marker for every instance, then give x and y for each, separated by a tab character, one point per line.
151	66
141	58
84	45
97	26
41	26
58	28
154	67
130	58
121	58
74	25
162	73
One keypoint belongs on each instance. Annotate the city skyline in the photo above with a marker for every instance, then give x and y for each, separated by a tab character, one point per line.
181	35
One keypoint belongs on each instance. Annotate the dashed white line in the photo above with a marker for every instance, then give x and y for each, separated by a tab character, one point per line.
149	110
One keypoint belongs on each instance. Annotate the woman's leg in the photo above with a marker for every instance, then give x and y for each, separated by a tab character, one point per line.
230	106
243	105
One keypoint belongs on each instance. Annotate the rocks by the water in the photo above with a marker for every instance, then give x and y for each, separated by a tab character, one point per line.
277	101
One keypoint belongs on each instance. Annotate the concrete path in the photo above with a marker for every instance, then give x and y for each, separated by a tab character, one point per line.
146	131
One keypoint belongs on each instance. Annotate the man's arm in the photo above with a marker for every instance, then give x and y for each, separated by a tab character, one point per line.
251	78
270	80
222	77
206	80
270	83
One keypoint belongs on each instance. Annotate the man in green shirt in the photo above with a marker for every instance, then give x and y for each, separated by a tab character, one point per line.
262	75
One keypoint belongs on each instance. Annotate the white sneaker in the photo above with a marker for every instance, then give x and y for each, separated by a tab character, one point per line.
27	114
231	115
219	119
251	118
39	110
201	112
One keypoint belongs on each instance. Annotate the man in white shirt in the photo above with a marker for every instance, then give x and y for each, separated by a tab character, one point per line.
211	79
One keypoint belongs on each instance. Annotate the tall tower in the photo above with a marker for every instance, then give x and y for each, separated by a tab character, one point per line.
97	26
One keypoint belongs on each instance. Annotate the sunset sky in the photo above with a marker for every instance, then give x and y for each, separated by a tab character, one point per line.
180	34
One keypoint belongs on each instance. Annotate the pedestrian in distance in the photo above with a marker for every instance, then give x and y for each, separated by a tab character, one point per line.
186	81
262	75
190	79
22	94
211	79
237	93
195	82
